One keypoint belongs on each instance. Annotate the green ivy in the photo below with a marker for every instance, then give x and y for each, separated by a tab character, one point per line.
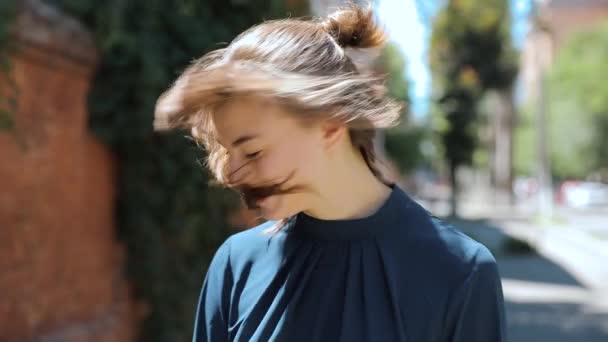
170	219
403	145
8	10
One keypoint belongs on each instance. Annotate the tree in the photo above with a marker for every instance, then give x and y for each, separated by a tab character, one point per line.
8	12
169	217
577	79
392	63
401	143
470	54
577	108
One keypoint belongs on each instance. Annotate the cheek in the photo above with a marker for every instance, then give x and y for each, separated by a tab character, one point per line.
309	161
284	160
273	166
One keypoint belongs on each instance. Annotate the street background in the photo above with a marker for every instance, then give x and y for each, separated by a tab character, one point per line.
107	227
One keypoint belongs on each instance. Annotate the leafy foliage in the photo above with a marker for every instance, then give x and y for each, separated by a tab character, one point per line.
169	217
471	45
402	143
8	10
393	64
578	105
577	117
470	54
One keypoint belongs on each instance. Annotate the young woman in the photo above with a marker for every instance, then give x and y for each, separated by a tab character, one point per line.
288	120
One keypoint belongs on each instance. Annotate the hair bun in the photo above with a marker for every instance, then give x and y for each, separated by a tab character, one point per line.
354	26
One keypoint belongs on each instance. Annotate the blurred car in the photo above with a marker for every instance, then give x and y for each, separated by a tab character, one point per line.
525	187
583	194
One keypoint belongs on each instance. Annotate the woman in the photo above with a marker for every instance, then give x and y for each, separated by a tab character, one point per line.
287	119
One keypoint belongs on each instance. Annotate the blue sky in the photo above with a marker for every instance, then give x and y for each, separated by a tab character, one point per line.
411	30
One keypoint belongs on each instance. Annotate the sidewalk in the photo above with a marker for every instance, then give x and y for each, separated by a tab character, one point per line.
577	240
585	257
544	303
559	293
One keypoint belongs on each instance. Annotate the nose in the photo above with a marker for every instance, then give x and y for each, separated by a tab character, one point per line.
239	171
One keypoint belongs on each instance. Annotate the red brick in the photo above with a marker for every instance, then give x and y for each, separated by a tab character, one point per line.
61	266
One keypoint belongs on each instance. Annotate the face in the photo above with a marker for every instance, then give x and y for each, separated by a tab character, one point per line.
274	159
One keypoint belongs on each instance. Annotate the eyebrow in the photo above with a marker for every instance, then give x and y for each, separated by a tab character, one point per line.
242	139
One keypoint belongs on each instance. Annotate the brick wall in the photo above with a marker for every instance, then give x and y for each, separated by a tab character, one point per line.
563	18
61	267
567	20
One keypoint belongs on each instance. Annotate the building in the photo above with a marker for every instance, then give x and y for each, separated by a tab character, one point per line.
559	20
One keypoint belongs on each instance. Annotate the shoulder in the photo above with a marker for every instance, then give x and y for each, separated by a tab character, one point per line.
253	239
446	262
461	246
437	247
456	248
476	261
461	256
249	247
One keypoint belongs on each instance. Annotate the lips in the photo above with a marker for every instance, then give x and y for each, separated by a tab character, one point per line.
254	195
259	202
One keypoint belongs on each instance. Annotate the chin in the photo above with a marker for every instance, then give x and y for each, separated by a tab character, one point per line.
272	216
275	208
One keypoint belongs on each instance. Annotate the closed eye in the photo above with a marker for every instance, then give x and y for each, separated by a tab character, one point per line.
252	155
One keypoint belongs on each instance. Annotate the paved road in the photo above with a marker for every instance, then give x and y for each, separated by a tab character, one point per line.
548	299
545	303
593	220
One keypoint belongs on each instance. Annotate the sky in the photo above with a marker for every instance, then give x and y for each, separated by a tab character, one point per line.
411	30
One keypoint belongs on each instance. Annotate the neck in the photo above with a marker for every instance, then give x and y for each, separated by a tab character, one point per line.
350	190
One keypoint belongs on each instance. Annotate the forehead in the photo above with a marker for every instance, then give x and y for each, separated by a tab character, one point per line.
251	115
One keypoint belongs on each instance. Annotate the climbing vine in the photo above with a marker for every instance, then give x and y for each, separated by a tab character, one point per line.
168	216
8	10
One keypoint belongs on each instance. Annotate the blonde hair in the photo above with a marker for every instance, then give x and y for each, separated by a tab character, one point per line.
304	65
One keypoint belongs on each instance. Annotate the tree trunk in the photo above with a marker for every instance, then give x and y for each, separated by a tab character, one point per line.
503	144
454	189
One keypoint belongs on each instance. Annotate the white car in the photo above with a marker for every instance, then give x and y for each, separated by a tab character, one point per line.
584	194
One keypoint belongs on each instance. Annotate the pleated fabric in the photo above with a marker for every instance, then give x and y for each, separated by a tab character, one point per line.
398	275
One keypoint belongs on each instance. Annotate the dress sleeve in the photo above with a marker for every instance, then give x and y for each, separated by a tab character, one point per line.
211	322
478	304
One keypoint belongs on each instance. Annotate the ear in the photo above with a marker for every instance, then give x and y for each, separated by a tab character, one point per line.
332	132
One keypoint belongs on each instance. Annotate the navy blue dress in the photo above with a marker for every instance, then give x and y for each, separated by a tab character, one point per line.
397	275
